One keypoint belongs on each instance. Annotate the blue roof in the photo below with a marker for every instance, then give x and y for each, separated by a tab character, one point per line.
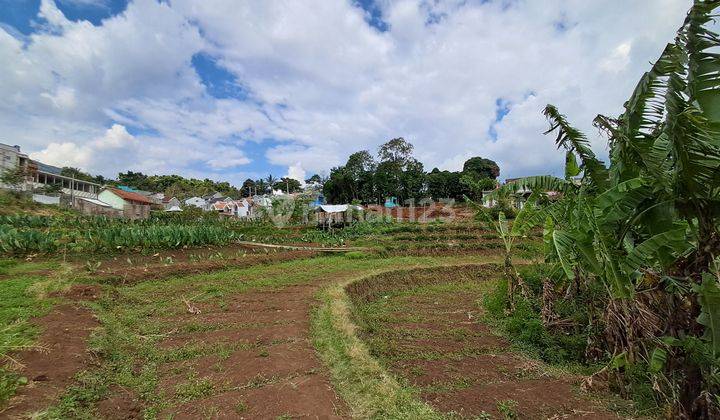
126	188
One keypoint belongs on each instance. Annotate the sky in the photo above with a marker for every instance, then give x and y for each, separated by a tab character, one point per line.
227	89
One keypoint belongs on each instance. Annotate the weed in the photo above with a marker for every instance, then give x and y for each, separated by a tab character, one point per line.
194	389
241	407
508	409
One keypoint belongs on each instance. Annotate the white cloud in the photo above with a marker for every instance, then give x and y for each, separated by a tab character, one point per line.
111	150
324	83
297	172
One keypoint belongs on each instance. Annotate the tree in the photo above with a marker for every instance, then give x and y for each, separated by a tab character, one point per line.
288	185
271	180
412	180
136	180
481	168
248	187
14	178
445	184
338	188
315	179
396	150
78	174
261	186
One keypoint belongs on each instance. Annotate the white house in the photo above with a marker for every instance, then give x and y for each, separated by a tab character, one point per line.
243	208
196	201
170	202
262	201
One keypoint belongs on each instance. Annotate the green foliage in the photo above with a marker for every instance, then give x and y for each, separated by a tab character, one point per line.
14	177
26	234
524	326
708	294
648	224
481	168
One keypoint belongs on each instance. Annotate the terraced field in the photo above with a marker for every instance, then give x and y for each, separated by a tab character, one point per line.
246	333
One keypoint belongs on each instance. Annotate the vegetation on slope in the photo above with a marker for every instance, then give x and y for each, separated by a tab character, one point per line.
644	230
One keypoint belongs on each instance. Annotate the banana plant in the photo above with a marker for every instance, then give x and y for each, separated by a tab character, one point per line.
648	221
527	218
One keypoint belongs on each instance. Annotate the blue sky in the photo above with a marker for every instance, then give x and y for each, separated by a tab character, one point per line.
230	90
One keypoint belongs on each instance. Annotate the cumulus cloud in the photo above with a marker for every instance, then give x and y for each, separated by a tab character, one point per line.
297	172
111	149
321	82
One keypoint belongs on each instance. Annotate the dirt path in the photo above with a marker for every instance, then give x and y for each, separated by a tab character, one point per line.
429	335
61	351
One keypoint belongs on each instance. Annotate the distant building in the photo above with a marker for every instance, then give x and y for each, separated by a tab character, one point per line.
11	157
170	202
40	175
198	202
132	204
243	209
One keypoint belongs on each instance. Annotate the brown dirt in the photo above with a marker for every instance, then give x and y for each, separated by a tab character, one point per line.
80	292
50	367
459	364
180	262
121	405
269	367
438	211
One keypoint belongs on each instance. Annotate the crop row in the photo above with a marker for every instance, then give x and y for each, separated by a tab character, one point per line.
15	241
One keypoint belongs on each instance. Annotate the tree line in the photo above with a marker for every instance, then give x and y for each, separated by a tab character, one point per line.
395	172
364	178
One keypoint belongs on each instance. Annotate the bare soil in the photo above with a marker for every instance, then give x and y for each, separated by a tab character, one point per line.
187	262
60	353
269	368
459	364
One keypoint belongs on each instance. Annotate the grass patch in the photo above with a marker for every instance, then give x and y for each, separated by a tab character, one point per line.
361	379
24	294
366	386
137	318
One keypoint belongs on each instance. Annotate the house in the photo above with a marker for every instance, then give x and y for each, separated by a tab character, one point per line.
210	202
11	157
157	198
329	216
132	204
224	208
262	201
196	202
170	202
212	197
94	207
243	209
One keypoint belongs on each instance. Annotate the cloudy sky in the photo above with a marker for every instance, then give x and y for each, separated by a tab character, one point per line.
230	89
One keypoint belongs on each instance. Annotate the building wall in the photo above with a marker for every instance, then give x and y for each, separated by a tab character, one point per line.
109	197
10	157
195	201
172	202
92	209
136	211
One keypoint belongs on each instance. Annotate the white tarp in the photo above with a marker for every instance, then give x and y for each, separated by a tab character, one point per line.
338	208
174	208
46	199
94	201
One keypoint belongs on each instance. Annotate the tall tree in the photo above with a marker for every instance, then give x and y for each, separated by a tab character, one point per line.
481	168
248	187
396	150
